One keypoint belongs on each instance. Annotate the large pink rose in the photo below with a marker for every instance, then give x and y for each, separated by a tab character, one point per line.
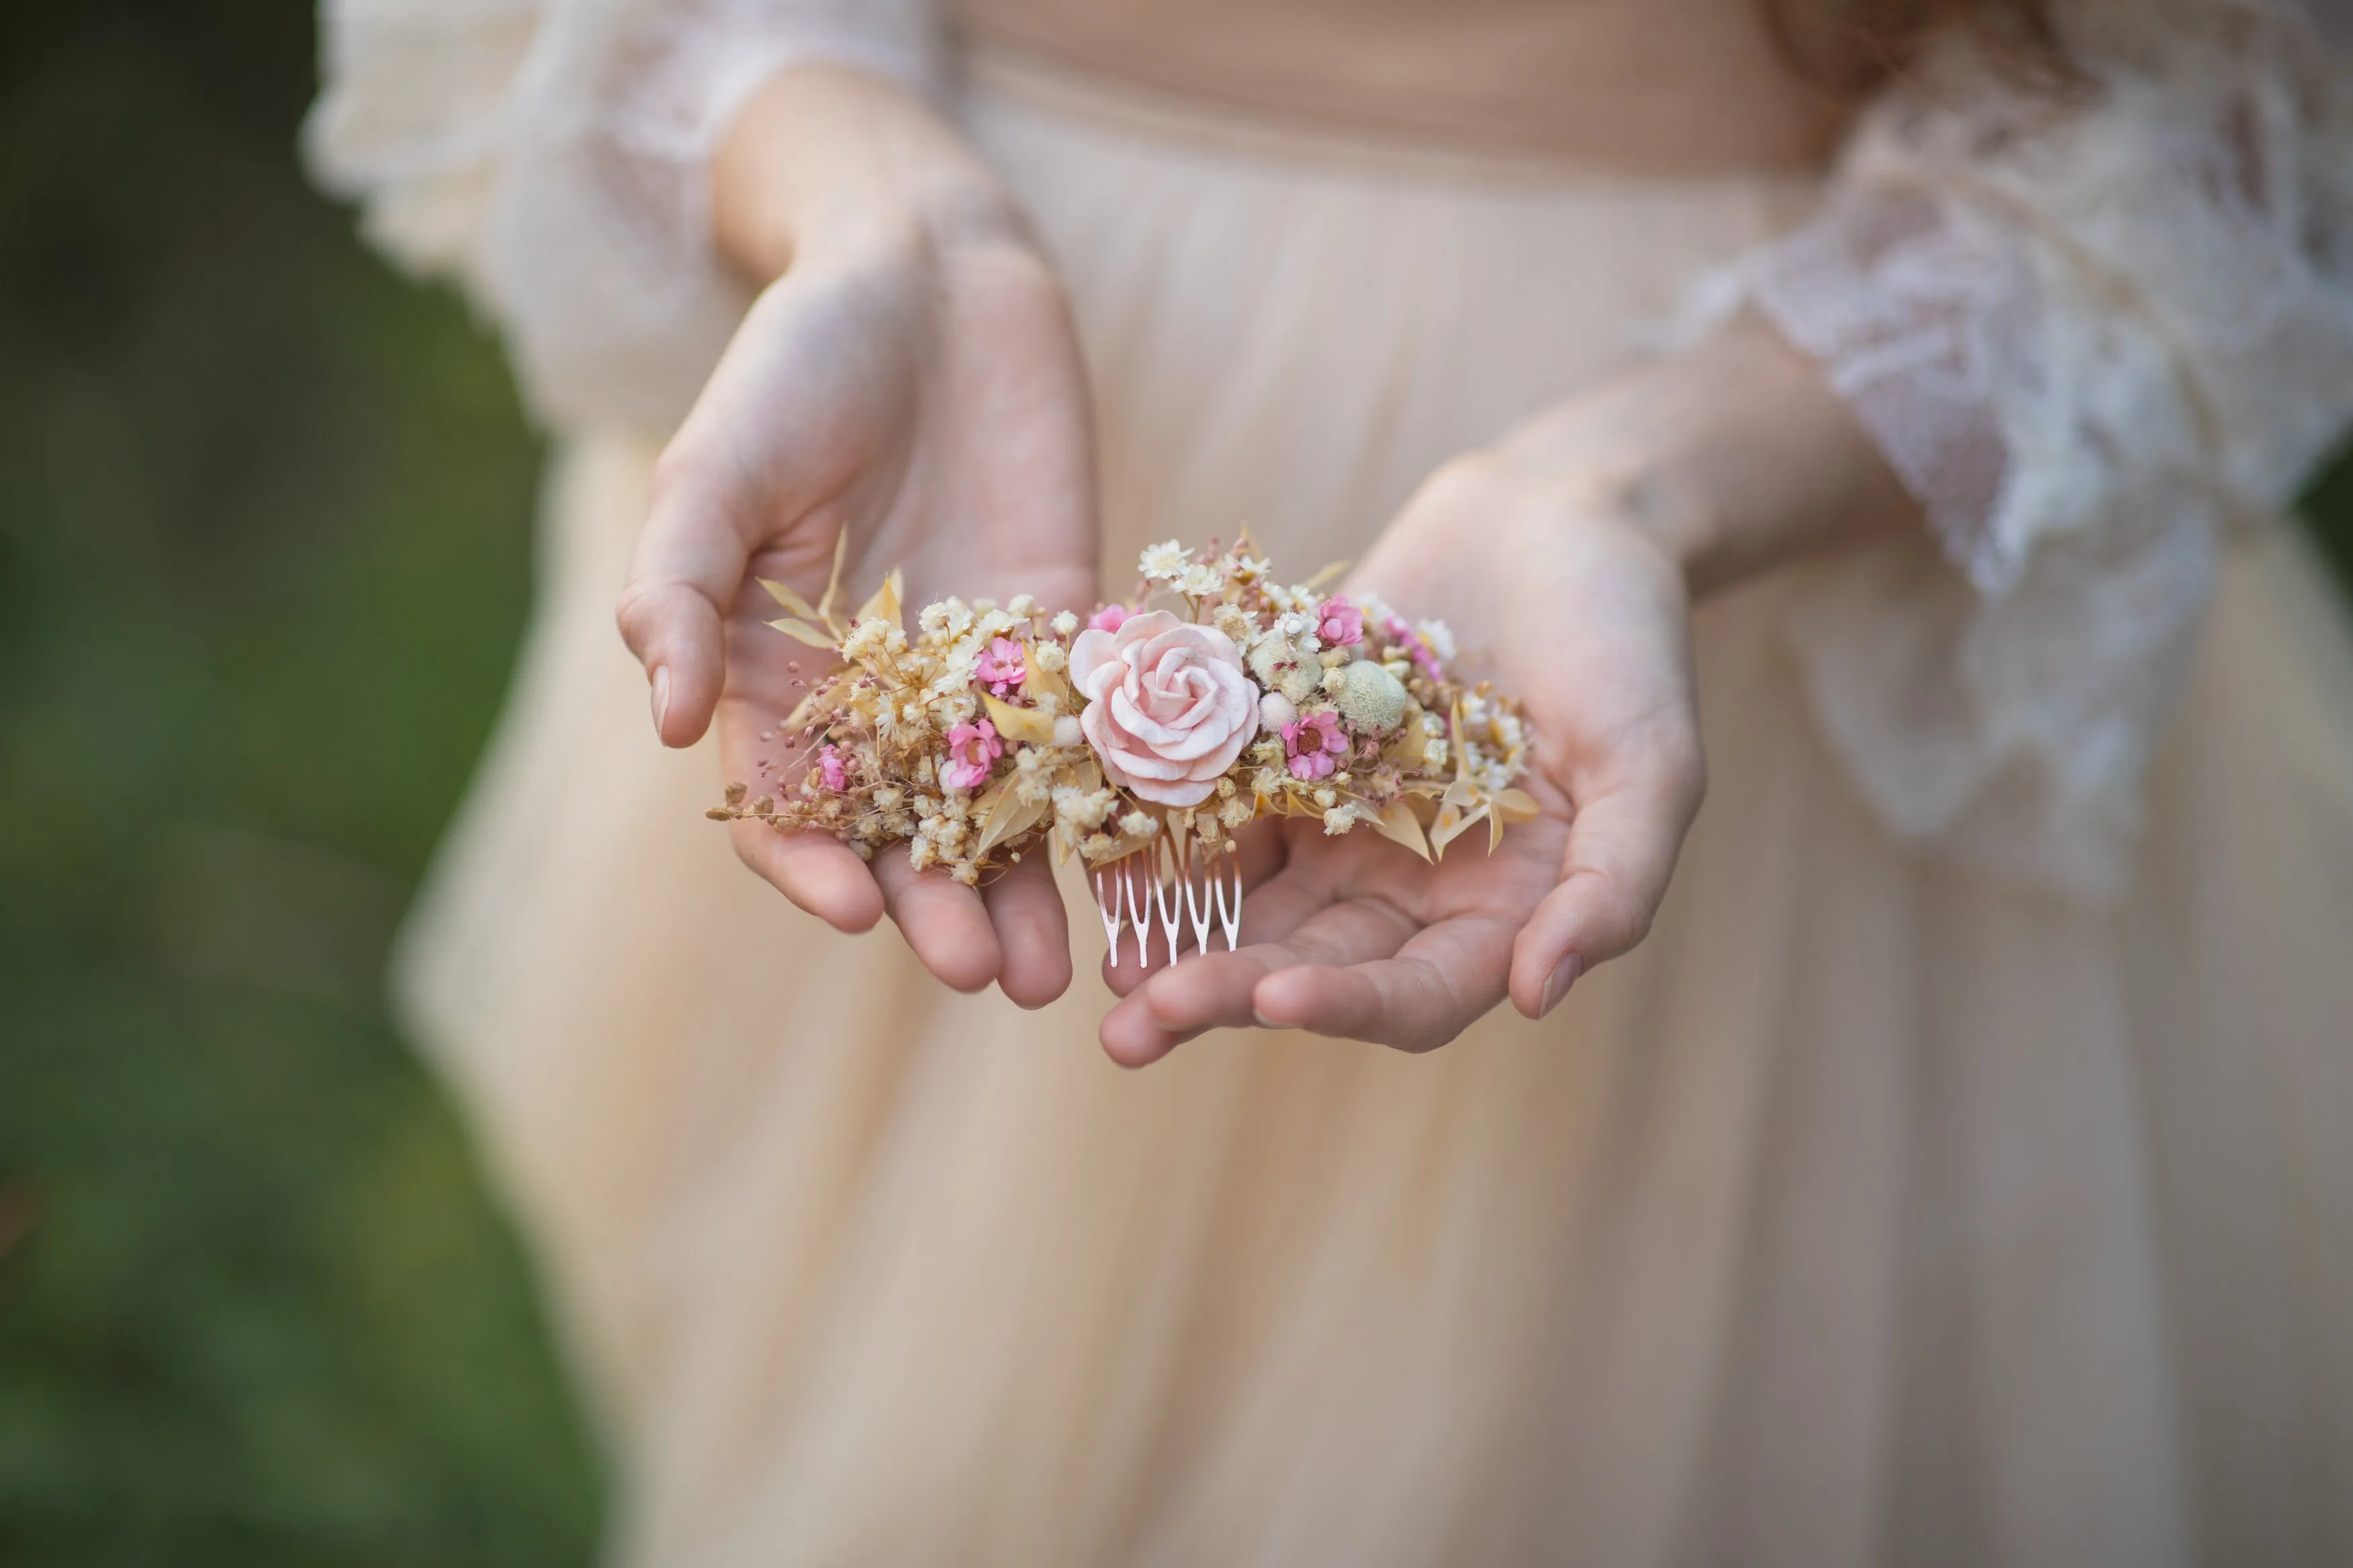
1169	708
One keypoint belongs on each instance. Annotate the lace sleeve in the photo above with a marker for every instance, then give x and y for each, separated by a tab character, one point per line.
2091	334
552	156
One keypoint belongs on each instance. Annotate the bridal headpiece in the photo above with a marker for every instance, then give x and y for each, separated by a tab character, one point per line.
1140	739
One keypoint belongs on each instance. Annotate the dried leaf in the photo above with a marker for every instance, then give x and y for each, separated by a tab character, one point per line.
1331	573
1451	823
784	593
1398	823
884	605
801	631
1517	806
1018	724
1494	827
1008	815
833	579
1042	683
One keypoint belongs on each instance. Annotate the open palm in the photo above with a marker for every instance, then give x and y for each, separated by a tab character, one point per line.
925	401
1586	621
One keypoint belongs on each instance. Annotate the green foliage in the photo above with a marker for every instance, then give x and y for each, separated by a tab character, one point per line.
263	561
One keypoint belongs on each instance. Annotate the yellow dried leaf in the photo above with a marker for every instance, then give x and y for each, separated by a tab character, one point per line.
833	578
1517	806
1018	724
1008	814
801	631
1453	822
1331	573
884	605
784	593
1043	683
1398	823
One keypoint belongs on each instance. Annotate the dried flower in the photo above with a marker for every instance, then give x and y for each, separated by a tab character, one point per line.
1312	742
1169	707
972	749
1134	725
1370	697
833	769
1339	622
1003	666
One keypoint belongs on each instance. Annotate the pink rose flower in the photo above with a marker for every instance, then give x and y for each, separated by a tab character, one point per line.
1004	666
833	770
1314	745
1169	708
972	749
1107	619
1339	622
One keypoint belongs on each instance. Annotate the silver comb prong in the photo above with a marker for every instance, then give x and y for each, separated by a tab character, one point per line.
1109	909
1165	897
1231	917
1197	905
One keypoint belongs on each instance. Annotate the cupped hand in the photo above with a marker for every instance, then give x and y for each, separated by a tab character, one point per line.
1568	603
910	381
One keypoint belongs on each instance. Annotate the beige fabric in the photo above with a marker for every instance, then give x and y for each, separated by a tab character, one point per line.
1653	87
1867	1213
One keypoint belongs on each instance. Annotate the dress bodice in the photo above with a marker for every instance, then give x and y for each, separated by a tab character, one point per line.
1644	87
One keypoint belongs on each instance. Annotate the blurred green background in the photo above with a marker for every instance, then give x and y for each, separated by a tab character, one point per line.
264	517
264	511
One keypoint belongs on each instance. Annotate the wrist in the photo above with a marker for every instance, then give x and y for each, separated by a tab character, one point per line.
830	159
1729	458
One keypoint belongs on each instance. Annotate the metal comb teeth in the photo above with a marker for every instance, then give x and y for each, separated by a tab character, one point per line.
1170	883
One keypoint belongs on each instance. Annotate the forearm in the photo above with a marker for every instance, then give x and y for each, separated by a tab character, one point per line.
828	157
1732	457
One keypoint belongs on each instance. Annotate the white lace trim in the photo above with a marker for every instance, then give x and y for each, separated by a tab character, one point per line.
553	154
2089	338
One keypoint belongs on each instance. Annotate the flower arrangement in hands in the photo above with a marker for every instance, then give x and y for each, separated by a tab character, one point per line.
1157	729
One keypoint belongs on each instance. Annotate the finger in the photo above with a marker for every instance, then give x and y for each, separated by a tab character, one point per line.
1437	985
1033	932
772	438
815	871
687	570
1131	1038
944	922
1260	851
1622	844
1215	990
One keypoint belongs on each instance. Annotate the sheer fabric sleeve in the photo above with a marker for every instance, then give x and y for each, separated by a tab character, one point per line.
2091	333
552	156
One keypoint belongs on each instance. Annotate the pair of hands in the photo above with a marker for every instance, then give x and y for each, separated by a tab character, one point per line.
910	378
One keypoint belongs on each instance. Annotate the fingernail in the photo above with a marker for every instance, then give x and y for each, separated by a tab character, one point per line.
1264	1021
1563	976
660	697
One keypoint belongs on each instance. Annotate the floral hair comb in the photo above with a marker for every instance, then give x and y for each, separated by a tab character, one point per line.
1142	738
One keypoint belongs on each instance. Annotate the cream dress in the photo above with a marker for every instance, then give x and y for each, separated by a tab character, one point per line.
1961	1173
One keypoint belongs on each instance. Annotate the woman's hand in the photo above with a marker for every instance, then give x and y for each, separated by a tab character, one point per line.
909	378
1566	557
1354	935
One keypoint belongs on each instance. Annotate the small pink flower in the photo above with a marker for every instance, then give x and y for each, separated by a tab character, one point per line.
1313	742
1110	618
1004	666
1339	622
973	748
1415	648
833	770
